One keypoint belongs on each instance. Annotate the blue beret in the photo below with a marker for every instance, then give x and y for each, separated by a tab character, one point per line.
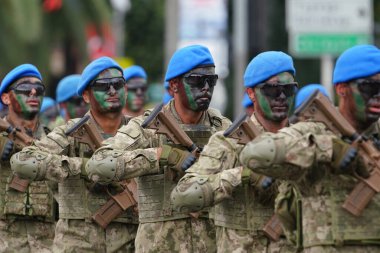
186	59
266	65
47	102
67	88
24	70
357	62
134	71
306	91
246	101
94	69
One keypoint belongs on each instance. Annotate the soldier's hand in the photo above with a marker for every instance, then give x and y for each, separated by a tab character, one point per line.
257	180
346	159
6	149
176	158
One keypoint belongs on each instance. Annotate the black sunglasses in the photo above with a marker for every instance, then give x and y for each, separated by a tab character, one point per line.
368	87
26	87
105	84
199	81
275	90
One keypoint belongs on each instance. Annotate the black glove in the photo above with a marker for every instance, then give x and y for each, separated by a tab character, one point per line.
176	158
347	160
6	149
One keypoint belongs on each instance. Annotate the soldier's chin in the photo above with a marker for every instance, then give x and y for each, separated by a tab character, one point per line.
202	106
114	109
278	117
372	117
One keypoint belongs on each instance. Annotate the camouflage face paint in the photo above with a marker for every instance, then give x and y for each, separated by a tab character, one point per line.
197	98
136	89
111	101
279	108
360	104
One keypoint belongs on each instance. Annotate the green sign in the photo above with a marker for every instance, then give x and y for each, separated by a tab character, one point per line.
304	44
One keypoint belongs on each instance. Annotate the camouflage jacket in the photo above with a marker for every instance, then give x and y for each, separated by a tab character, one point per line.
135	149
61	158
36	202
240	200
303	156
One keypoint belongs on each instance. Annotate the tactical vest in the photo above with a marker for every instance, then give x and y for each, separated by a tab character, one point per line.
243	211
325	222
80	198
36	203
154	190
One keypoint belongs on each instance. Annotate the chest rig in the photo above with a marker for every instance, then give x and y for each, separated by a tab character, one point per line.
336	226
36	203
80	198
154	190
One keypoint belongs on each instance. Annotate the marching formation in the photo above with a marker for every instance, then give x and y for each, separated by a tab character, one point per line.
98	173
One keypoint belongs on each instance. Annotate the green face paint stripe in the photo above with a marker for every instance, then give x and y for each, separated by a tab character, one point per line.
264	104
71	109
290	101
100	97
131	95
121	95
285	77
21	100
189	96
359	105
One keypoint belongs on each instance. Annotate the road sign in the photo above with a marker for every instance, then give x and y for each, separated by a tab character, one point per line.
316	44
328	26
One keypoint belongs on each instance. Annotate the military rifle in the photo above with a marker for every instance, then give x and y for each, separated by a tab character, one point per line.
243	130
85	131
21	140
164	123
319	109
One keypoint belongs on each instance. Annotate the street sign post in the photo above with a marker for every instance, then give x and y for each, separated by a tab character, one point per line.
326	28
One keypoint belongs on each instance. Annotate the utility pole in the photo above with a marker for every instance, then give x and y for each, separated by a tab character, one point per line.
240	52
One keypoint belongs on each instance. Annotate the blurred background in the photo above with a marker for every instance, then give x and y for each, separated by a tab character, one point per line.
60	37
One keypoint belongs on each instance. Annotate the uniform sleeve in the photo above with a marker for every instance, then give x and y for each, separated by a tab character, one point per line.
47	159
131	153
291	153
212	178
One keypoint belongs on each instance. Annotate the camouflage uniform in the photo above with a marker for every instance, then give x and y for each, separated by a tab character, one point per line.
27	220
303	153
161	228
242	208
60	158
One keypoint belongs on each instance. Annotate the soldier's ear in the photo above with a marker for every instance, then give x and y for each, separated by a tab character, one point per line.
5	98
86	96
173	85
342	89
251	94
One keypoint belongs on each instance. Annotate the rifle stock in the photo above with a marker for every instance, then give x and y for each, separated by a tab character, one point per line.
318	108
86	132
242	129
21	140
164	123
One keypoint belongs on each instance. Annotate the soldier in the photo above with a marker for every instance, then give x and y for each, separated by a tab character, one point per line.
26	216
136	87
49	114
62	158
158	164
243	200
71	105
322	166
